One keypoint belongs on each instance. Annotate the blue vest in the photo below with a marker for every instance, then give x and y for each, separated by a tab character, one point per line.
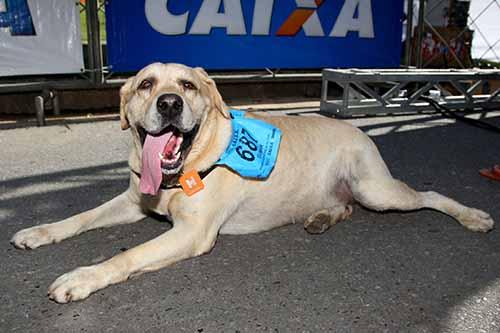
254	146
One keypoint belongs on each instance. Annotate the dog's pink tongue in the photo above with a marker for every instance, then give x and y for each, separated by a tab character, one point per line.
151	175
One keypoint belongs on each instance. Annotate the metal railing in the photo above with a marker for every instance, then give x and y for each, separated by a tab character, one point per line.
394	91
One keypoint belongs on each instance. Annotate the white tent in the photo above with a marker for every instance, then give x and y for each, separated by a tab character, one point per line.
484	19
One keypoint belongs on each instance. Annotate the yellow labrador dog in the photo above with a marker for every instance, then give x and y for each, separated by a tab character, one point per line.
323	166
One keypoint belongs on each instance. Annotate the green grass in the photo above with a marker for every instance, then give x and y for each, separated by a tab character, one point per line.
486	64
102	26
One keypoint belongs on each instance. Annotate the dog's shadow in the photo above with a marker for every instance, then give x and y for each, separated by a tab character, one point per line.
418	271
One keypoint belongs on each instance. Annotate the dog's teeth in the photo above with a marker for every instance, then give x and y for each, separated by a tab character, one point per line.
178	154
178	147
160	155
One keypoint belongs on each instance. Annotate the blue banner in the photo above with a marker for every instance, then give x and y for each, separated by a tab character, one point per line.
254	34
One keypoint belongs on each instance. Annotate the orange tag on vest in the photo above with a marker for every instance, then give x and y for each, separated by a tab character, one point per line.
191	182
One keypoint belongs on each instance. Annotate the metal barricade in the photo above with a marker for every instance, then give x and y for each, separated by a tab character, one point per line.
402	89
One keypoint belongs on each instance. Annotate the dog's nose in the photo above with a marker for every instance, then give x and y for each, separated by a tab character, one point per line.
169	105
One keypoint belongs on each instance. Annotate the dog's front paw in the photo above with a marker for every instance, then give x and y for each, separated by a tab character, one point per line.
477	220
75	285
34	237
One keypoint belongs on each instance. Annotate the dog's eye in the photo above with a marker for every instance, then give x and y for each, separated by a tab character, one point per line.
188	85
145	84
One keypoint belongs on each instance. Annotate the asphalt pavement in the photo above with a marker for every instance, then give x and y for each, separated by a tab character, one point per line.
376	272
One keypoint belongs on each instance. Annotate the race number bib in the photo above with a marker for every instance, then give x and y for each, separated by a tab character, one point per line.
254	147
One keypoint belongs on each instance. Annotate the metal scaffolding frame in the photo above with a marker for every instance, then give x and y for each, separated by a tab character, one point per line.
399	90
423	22
376	91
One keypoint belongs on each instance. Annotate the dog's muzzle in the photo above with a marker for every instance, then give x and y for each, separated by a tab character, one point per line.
169	140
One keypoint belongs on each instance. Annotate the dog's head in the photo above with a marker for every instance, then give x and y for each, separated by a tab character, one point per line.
172	101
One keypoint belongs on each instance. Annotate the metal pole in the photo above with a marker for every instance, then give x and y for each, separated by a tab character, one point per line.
40	110
420	33
409	26
94	42
55	103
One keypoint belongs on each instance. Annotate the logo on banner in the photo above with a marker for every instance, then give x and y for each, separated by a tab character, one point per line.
16	16
355	16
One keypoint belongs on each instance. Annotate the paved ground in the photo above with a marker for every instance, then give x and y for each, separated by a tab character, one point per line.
415	272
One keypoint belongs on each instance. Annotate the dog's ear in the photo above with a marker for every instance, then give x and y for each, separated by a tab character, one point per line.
213	92
126	92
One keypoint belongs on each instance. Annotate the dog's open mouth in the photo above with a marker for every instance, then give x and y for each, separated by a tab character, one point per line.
171	145
176	149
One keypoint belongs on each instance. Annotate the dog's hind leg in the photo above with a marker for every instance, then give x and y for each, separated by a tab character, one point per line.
321	221
374	188
122	209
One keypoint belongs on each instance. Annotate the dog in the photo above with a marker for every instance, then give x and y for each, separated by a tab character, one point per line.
323	166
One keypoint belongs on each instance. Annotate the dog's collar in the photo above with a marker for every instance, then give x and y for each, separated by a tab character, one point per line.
174	182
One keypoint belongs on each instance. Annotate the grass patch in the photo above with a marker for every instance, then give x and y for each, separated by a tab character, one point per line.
486	64
102	24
